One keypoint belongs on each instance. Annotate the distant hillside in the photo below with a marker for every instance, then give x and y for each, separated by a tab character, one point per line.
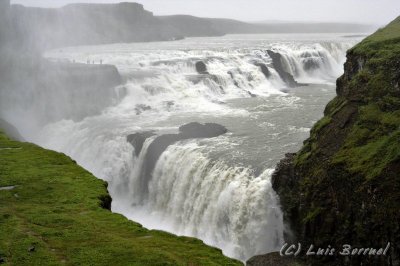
191	26
79	24
87	24
310	27
195	26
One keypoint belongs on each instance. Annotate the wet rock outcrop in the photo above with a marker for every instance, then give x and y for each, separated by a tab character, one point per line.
137	140
201	67
278	66
160	144
264	69
273	259
343	186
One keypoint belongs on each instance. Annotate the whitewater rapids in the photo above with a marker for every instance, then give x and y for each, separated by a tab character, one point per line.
215	189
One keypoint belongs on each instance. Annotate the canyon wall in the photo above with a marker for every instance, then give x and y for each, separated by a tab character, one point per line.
343	186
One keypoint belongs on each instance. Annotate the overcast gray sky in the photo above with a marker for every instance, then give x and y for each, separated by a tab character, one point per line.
365	11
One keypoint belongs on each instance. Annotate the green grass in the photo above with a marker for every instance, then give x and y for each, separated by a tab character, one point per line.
363	151
56	208
372	158
346	185
380	39
373	141
388	33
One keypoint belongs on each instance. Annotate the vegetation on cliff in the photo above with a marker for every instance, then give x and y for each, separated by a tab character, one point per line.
343	187
53	212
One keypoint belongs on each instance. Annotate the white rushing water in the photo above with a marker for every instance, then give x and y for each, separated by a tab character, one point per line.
216	189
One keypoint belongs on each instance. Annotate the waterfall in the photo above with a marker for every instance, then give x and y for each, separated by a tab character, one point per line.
197	187
190	194
166	80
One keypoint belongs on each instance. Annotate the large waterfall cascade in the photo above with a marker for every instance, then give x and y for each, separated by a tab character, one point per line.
217	189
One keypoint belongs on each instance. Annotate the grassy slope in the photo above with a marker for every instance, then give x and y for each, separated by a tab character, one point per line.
55	208
390	32
374	140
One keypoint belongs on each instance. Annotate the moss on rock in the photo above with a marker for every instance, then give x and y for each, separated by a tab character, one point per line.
344	186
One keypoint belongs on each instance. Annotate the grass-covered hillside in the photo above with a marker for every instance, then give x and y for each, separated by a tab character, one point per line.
343	187
57	214
368	105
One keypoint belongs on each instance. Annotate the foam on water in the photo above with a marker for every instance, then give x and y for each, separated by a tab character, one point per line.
228	207
193	190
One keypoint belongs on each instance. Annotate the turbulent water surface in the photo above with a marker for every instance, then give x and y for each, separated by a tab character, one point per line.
217	189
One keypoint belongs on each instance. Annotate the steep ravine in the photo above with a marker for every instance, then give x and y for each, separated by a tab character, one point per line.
54	212
343	186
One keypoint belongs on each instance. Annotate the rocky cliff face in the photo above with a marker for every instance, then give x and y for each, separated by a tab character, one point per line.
343	186
87	24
